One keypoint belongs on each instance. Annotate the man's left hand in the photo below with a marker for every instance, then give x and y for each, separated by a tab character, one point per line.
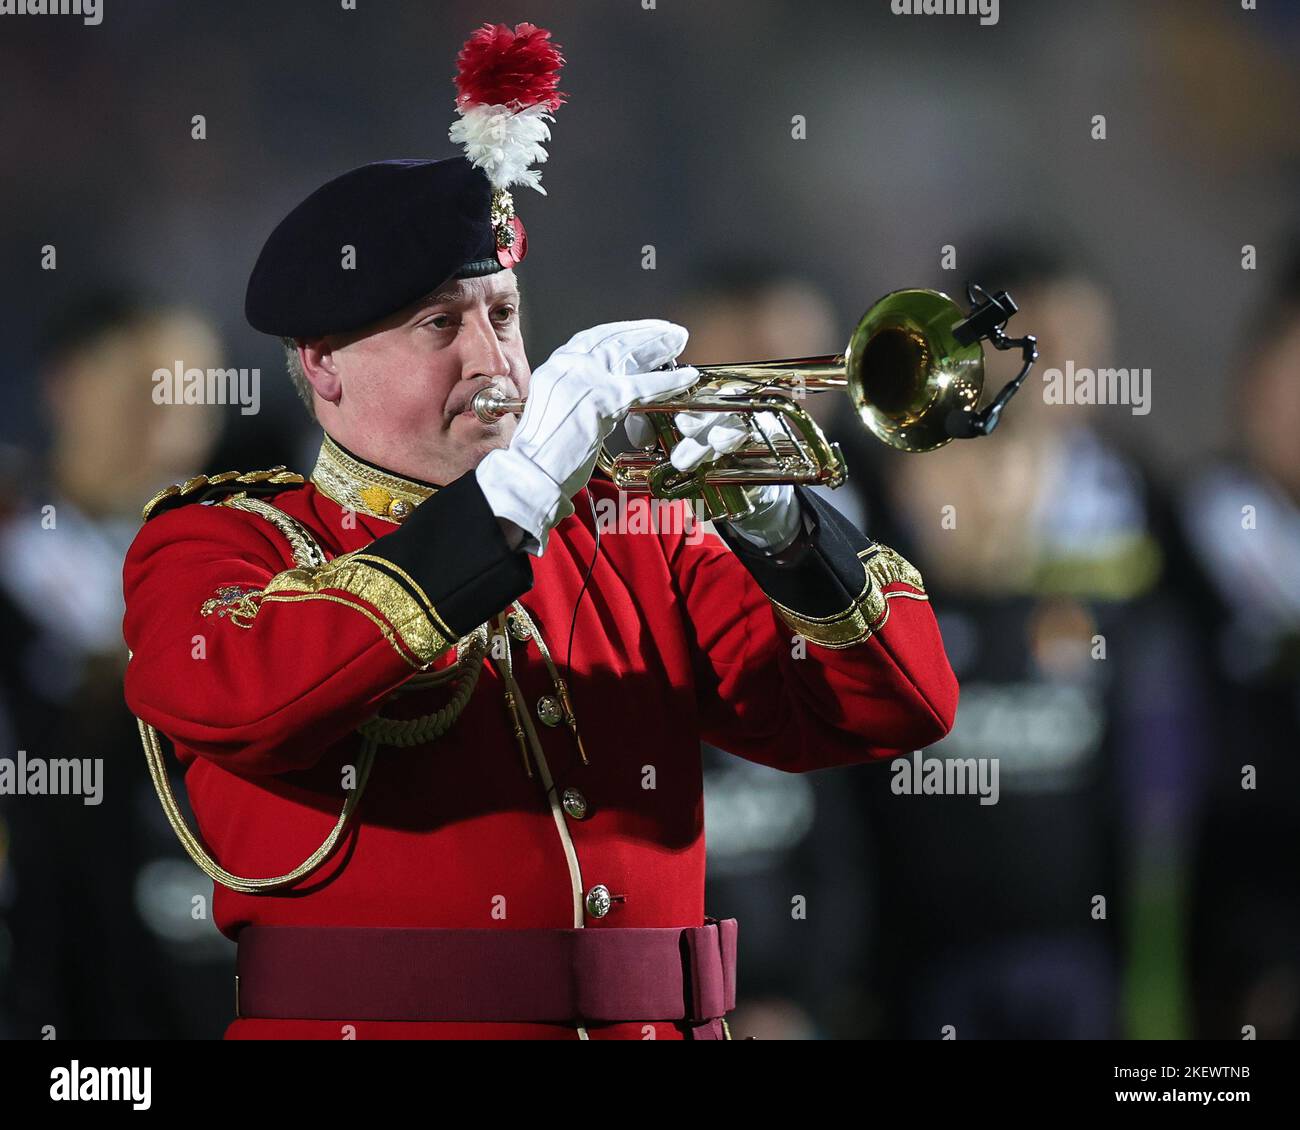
774	524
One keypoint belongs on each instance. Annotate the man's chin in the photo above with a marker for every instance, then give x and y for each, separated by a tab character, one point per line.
456	449
477	439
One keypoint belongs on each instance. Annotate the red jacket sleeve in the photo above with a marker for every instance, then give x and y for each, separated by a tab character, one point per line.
827	655
259	664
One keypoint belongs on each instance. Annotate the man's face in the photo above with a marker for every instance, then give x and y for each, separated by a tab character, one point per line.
399	395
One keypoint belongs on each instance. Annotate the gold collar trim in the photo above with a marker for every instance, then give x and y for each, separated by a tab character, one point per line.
357	485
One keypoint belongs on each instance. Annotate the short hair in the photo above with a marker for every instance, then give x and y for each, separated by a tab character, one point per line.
1278	305
1025	261
293	362
89	318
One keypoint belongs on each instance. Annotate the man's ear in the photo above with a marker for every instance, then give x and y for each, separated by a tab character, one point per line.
321	368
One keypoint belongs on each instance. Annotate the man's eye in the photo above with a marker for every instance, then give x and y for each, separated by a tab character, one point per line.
440	322
506	313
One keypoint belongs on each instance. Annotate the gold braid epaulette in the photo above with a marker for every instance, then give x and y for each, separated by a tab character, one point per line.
202	488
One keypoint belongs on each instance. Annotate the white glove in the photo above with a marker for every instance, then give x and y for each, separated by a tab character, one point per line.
774	524
575	399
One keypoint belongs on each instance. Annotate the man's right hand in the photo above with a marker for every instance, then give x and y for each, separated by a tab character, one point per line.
575	399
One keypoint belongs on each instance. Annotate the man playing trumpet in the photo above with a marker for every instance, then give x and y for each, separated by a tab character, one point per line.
441	740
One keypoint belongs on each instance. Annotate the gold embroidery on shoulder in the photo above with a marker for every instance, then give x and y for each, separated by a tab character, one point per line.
177	493
306	551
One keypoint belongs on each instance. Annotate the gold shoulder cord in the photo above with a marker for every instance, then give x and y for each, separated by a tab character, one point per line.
378	731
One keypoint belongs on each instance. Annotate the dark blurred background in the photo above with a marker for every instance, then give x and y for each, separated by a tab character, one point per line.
1172	536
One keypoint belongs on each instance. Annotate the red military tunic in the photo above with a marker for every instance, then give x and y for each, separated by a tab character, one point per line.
260	671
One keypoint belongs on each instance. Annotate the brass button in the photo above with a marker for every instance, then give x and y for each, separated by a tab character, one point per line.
598	901
574	803
399	510
548	710
519	628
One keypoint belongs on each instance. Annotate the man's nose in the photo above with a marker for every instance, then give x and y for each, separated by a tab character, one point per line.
482	351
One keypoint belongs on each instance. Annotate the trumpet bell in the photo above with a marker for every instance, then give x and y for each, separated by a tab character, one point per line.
906	372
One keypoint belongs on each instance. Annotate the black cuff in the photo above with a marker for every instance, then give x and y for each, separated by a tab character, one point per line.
453	549
821	572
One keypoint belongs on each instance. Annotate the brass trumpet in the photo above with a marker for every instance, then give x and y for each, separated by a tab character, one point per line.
913	370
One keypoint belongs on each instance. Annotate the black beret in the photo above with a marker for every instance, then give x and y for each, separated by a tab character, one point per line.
414	225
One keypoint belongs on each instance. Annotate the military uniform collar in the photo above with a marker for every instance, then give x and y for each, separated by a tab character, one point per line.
360	486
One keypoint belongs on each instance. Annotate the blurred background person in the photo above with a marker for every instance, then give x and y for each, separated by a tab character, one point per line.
1240	512
783	849
101	935
1042	556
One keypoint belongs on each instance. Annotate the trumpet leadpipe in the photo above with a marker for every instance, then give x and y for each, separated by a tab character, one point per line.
491	404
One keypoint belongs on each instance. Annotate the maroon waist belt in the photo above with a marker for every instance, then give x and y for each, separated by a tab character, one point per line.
600	975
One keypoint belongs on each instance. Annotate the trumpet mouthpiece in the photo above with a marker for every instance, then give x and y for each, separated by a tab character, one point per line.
490	405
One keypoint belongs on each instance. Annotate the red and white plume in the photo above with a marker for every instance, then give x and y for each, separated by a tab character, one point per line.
506	85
